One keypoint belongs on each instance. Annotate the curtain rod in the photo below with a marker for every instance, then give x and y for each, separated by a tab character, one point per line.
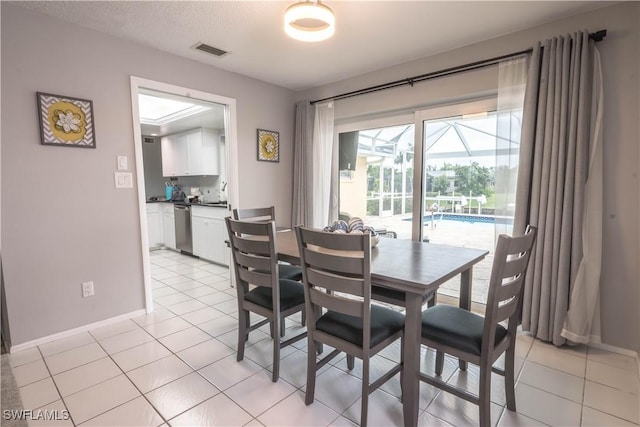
597	36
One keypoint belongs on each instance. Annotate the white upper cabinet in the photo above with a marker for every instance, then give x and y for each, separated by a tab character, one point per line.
190	153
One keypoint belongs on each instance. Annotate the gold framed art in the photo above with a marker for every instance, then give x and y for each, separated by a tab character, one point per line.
65	121
268	145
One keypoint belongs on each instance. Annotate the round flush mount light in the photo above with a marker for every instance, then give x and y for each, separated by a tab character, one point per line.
309	21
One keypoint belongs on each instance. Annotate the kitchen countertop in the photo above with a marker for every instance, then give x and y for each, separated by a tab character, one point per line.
182	202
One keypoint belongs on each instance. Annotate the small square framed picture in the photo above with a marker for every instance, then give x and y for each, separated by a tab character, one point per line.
268	145
66	121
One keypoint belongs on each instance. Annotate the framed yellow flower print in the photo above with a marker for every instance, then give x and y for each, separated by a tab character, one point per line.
65	121
268	145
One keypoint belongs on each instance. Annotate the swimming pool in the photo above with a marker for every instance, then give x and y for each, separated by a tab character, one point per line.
463	218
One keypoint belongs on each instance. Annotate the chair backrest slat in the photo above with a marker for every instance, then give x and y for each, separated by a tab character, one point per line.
334	262
506	310
260	246
254	262
514	266
255	228
339	283
336	303
255	214
257	278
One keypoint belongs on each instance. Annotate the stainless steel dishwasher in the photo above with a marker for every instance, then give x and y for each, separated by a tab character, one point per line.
184	241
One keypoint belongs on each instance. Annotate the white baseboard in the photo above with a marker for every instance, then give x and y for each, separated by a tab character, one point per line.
68	333
597	343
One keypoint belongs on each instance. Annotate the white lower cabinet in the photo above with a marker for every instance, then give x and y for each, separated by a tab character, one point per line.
154	225
209	233
168	225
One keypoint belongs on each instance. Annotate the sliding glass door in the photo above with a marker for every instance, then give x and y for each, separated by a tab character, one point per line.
429	176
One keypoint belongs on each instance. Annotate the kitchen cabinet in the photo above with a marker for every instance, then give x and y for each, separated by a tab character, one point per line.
168	225
209	233
190	153
154	225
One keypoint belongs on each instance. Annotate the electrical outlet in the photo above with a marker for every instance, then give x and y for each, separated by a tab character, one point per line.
87	289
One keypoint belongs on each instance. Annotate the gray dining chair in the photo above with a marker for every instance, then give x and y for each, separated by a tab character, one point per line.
482	340
259	288
336	270
287	271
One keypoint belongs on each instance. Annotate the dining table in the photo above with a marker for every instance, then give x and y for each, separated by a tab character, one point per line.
415	268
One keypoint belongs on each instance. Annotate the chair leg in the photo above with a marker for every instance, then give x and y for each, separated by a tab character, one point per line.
303	317
364	410
402	368
509	376
276	352
350	362
243	335
439	362
283	327
311	372
485	395
432	301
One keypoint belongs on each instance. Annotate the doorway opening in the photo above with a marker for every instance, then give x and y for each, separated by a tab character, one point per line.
177	118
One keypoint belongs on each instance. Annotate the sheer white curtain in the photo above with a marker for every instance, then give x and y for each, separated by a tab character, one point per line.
321	164
512	80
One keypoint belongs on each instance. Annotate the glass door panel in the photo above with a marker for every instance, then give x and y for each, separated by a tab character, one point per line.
378	187
458	189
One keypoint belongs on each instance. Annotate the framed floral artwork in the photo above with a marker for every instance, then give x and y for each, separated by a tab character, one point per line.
65	121
268	145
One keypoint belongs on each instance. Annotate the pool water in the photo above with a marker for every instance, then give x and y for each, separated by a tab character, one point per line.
457	217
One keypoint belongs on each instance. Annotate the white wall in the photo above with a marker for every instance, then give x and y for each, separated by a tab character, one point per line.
620	282
62	220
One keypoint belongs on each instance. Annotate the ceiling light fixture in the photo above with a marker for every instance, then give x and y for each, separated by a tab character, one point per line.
309	21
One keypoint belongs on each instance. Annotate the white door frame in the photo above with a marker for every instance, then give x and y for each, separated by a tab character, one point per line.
231	145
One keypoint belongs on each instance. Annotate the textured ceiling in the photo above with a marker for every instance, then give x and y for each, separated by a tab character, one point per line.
370	35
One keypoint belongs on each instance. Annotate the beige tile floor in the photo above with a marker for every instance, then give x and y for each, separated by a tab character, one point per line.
176	366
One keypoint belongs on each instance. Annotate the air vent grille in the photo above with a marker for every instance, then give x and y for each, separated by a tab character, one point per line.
210	49
148	139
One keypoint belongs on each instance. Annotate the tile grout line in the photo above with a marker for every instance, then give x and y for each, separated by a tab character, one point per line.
64	403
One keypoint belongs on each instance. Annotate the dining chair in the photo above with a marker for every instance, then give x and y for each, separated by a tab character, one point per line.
482	340
287	271
259	288
336	271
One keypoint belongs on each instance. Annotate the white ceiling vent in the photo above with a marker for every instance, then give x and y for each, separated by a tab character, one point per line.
210	49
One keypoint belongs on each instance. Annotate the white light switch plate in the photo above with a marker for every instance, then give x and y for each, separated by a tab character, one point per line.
123	179
122	163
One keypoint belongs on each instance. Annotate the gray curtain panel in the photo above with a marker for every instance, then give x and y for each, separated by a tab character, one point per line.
554	162
301	213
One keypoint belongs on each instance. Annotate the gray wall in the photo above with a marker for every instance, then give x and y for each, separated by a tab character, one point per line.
62	220
620	282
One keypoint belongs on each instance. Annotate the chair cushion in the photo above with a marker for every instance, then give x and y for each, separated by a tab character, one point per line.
291	294
456	327
291	272
384	323
398	297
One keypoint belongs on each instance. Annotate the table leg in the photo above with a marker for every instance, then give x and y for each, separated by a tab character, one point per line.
411	376
465	300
